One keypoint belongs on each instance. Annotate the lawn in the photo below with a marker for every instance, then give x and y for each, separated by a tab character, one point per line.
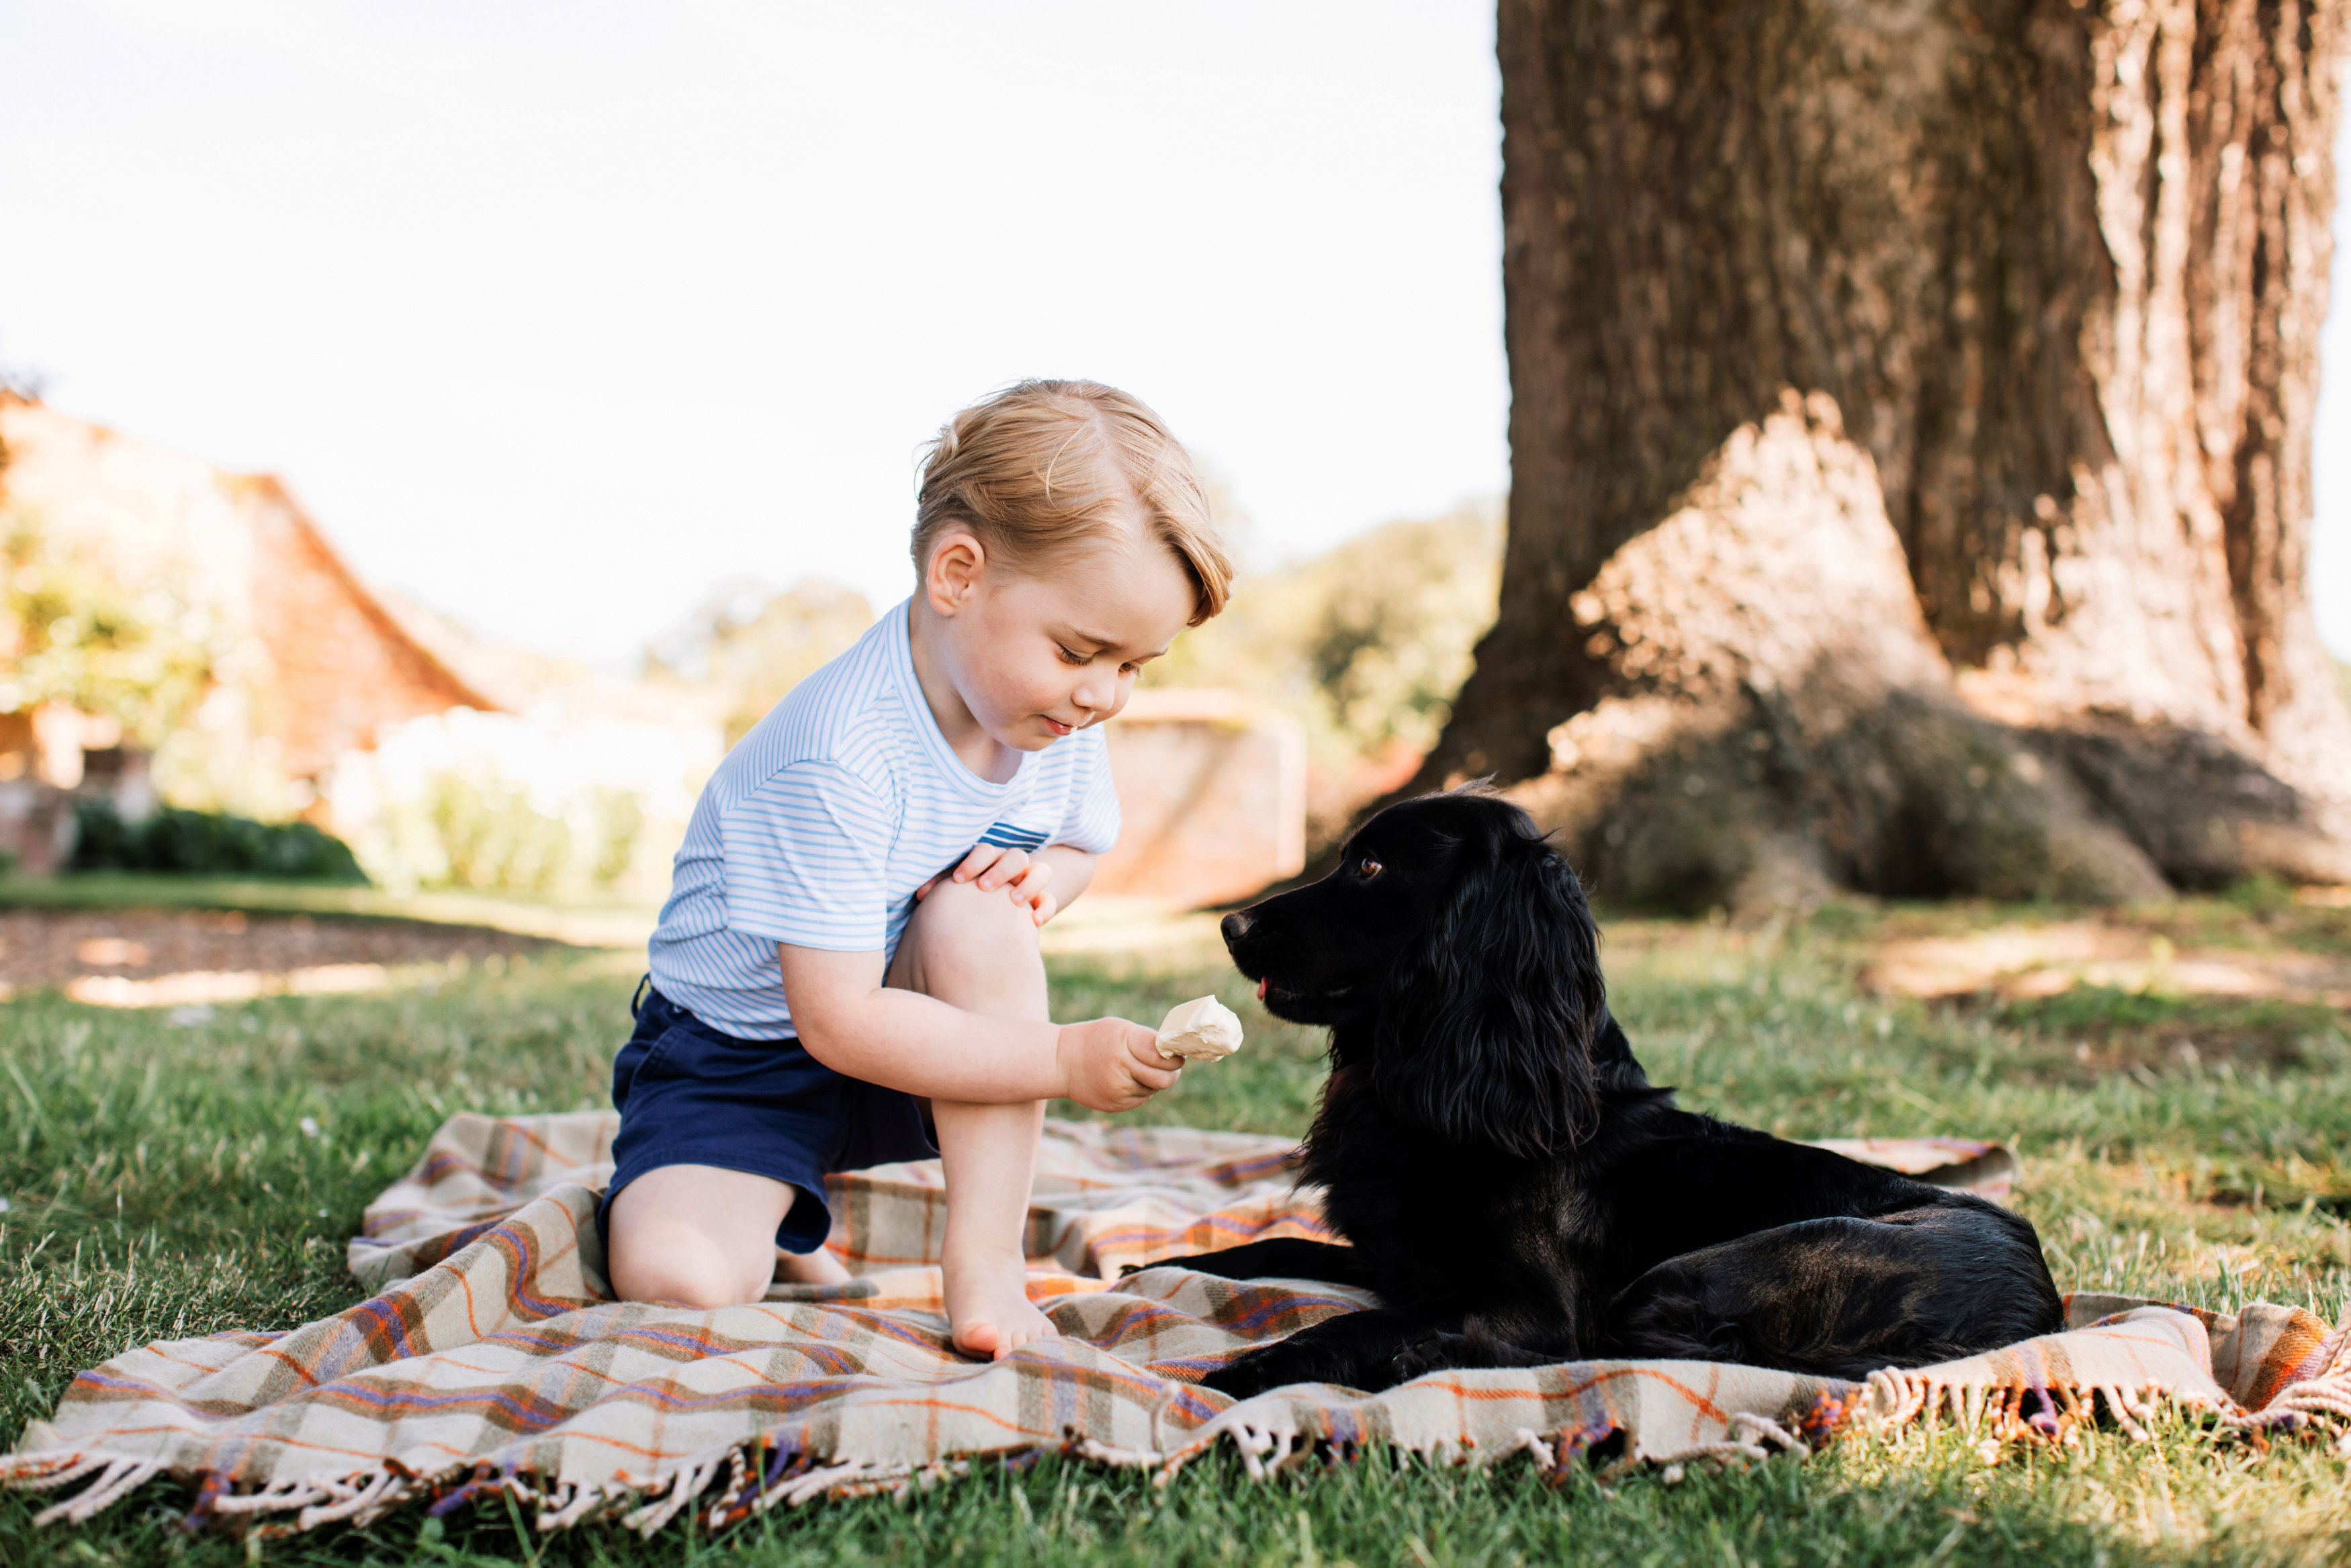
173	1179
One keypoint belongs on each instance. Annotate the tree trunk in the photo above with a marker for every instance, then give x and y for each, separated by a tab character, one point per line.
1910	440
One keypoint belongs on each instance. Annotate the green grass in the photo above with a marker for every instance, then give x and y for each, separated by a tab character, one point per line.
160	1184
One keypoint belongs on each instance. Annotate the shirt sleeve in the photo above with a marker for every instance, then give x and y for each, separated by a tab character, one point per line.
1092	821
805	857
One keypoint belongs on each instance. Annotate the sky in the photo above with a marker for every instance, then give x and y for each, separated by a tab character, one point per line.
559	313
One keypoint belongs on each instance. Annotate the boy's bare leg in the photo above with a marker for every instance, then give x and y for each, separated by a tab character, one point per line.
978	950
990	1156
698	1236
817	1268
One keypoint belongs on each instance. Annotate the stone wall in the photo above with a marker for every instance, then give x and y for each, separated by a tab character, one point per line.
1212	790
37	821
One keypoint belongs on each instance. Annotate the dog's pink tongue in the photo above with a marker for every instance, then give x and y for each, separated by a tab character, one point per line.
1260	990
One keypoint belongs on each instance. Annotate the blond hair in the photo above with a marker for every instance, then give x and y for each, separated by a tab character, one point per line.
1044	465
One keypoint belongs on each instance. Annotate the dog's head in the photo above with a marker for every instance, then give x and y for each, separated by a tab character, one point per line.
1455	940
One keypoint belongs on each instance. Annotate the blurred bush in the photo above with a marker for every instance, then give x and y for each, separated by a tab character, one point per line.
1366	643
493	837
71	633
753	644
146	648
207	844
548	806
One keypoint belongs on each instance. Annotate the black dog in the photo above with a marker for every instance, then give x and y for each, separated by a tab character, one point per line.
1517	1193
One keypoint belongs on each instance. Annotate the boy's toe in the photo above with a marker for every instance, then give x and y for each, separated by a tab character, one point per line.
981	1339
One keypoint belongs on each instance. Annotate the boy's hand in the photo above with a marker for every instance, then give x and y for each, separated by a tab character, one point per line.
1110	1064
994	866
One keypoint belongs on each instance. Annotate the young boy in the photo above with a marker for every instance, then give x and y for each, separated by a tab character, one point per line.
854	919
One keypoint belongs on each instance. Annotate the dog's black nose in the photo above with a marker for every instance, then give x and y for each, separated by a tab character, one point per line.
1235	925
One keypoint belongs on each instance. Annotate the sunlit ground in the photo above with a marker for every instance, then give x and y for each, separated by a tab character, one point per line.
2187	1146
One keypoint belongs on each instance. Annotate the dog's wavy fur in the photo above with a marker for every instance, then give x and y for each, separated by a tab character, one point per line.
1515	1190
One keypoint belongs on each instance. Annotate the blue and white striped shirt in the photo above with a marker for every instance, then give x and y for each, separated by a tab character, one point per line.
822	820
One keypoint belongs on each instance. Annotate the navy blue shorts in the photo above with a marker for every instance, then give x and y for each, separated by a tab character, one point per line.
690	1093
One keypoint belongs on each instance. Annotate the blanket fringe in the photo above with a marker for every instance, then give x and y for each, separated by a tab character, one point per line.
1998	1415
568	1505
1269	1441
2316	1399
48	1471
361	1501
1753	1439
117	1480
690	1481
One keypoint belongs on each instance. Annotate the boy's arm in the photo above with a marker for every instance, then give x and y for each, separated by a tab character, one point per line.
1054	877
1073	868
856	1025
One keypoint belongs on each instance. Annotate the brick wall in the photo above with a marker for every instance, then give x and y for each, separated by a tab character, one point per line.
1213	791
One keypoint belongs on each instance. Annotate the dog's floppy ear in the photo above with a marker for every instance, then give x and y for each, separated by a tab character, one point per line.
1485	1033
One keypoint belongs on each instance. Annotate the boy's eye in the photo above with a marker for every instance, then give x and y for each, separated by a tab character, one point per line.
1071	657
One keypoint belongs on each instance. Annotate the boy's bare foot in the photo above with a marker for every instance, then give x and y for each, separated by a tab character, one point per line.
817	1268
989	1311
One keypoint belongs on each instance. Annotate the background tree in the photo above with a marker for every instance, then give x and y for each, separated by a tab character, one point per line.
75	634
753	644
1365	644
1911	432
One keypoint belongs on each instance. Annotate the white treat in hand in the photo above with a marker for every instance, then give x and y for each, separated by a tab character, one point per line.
1202	1029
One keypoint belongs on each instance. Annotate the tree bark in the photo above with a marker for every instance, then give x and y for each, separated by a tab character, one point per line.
2014	300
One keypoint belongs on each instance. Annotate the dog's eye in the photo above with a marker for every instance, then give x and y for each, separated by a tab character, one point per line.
1366	868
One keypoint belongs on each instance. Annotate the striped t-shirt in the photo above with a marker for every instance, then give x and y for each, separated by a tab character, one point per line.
822	820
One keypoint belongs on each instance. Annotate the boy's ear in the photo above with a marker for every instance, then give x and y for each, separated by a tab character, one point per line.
952	572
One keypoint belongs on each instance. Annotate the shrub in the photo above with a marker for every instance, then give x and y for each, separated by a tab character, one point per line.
564	806
74	631
1366	644
205	843
493	839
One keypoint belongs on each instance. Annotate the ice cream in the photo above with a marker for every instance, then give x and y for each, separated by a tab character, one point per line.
1201	1030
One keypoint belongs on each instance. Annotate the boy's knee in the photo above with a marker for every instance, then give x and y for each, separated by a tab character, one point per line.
694	1236
701	1284
962	937
960	919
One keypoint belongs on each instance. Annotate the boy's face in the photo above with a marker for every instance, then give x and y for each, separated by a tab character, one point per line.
1038	657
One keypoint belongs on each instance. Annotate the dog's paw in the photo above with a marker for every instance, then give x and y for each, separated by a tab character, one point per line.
1440	1352
1427	1354
1236	1382
1447	1352
1248	1376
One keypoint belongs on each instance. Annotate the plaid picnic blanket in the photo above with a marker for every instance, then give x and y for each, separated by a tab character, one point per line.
491	1357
